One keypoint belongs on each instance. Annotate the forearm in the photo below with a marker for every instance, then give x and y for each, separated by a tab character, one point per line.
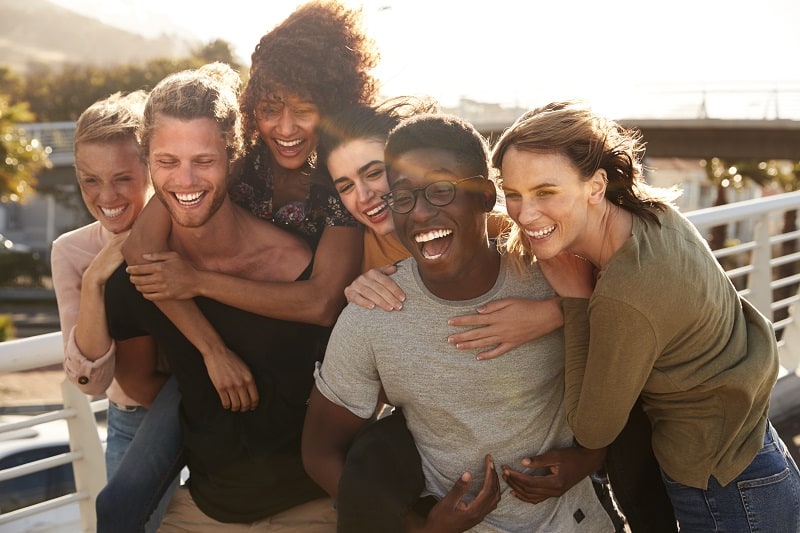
194	325
92	337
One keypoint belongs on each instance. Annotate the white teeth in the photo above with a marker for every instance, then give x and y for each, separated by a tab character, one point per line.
426	256
288	144
111	213
189	198
431	235
539	234
376	210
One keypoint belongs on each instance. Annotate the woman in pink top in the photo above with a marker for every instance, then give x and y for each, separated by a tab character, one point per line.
115	185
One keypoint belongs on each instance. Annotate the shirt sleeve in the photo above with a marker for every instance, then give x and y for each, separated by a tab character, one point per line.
91	377
610	352
348	376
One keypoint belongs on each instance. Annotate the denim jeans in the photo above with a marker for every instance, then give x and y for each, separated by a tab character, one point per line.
137	494
122	423
765	497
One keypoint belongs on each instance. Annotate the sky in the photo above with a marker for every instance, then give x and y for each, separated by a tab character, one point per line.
625	57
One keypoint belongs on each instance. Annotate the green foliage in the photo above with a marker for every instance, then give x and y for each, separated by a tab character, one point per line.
58	94
7	330
21	158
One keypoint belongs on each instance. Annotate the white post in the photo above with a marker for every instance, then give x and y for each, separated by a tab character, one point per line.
90	470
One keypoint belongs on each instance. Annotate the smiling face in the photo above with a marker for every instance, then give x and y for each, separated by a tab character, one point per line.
189	168
444	240
547	197
113	181
288	124
359	174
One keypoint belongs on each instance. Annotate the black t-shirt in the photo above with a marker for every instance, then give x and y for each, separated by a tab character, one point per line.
243	466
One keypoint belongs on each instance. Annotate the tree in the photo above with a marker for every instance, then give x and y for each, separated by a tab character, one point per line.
21	157
61	93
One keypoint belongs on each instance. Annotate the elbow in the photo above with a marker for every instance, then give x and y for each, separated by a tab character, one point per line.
327	311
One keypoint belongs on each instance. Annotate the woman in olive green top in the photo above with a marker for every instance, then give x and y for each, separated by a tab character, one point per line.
663	320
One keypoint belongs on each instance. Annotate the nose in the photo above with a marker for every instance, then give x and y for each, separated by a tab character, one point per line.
364	192
108	193
286	124
183	176
528	212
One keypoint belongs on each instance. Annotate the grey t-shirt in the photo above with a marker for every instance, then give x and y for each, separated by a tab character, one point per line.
458	408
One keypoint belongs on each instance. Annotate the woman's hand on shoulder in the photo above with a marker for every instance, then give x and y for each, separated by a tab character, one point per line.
375	288
105	262
502	325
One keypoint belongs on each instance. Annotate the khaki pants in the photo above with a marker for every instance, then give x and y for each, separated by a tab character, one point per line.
183	516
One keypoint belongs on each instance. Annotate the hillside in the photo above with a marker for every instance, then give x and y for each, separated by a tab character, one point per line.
37	31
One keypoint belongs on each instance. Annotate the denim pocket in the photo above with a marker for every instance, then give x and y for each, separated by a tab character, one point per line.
770	492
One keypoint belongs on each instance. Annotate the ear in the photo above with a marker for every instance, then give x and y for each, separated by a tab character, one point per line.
489	196
597	186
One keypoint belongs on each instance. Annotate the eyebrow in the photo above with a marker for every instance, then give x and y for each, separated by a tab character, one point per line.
361	170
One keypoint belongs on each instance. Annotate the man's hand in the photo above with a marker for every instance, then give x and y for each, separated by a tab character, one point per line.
167	276
375	287
233	380
453	515
567	467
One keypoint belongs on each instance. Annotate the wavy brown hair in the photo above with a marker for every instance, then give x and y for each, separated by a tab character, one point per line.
319	52
591	142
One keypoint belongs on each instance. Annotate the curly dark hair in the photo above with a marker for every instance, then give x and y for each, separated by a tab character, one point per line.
319	52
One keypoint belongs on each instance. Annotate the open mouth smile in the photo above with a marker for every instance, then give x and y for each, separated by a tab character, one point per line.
112	212
540	233
189	199
434	243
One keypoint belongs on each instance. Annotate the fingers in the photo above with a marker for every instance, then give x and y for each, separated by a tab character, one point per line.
497	351
375	288
531	488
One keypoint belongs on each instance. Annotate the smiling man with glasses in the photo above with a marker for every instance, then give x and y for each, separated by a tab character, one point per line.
474	422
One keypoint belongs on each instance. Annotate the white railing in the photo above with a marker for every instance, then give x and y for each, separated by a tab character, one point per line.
86	449
754	264
757	223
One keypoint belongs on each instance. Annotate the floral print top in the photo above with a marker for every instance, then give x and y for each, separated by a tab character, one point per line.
308	218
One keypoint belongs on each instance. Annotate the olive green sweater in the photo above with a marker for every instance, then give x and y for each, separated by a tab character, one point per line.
665	321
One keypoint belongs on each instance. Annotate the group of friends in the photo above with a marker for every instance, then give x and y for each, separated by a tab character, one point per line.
345	314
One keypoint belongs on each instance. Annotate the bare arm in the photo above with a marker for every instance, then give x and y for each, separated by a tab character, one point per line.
318	300
327	434
137	369
91	333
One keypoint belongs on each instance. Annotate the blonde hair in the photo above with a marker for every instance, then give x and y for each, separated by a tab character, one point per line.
117	117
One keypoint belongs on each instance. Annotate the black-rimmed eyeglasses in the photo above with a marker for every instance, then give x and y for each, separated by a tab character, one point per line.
438	193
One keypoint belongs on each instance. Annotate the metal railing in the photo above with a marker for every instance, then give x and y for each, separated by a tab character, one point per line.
756	265
86	449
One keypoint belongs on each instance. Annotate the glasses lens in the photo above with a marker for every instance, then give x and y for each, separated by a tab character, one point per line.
440	193
402	200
